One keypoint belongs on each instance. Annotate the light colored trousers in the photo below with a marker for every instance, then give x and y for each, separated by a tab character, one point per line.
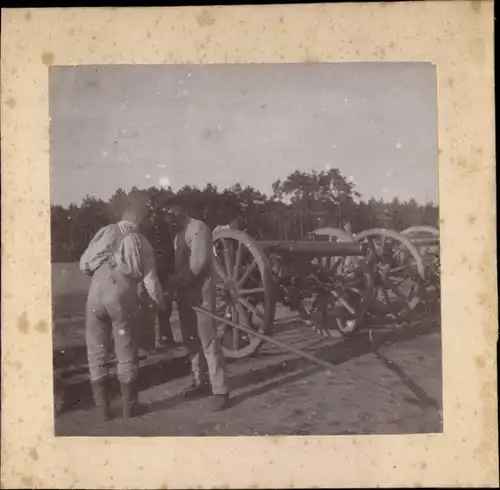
199	336
113	315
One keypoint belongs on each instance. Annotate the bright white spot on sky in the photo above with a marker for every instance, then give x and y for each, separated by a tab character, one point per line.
328	166
148	176
399	145
164	181
334	146
161	165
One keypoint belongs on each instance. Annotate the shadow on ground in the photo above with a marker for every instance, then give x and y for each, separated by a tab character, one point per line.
78	396
345	350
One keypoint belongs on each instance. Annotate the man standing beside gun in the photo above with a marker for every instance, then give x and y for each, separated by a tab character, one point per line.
194	285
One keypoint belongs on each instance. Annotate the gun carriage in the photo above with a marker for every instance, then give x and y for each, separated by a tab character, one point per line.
330	280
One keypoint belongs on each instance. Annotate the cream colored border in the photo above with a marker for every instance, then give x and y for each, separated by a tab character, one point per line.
458	37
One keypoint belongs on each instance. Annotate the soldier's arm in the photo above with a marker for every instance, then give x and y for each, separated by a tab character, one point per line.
138	255
199	242
97	250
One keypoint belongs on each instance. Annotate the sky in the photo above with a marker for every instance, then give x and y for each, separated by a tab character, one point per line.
119	126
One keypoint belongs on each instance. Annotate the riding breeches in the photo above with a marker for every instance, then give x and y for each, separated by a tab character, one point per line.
112	317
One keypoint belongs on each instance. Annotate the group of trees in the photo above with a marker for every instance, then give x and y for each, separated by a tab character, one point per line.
300	203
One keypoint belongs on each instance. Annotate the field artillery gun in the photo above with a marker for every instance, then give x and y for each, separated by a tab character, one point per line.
406	268
317	281
330	280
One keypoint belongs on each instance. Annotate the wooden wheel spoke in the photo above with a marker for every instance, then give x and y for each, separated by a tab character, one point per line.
237	264
373	248
220	268
398	269
251	308
344	302
235	339
247	292
228	259
247	273
235	332
382	246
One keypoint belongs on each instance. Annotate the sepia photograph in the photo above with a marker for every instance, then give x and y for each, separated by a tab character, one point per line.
245	249
241	244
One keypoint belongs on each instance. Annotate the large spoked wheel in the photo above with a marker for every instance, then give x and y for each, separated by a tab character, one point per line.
399	273
426	240
347	303
244	291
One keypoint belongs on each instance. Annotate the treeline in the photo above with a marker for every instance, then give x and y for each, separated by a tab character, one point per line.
299	204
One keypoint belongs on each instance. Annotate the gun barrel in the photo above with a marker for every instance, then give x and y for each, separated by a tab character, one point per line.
317	249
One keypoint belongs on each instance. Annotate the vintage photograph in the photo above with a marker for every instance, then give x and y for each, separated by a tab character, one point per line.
245	249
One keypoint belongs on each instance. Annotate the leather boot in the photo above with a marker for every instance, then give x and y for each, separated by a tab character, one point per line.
130	400
100	391
196	391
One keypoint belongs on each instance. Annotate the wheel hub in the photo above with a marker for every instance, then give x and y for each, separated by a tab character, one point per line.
230	293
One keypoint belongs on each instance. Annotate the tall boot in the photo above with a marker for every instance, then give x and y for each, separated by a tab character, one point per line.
100	391
130	400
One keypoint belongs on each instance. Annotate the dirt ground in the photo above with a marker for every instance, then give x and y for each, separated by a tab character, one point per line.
277	393
396	387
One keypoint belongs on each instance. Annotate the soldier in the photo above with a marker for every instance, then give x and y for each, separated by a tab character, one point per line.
194	286
163	246
118	258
